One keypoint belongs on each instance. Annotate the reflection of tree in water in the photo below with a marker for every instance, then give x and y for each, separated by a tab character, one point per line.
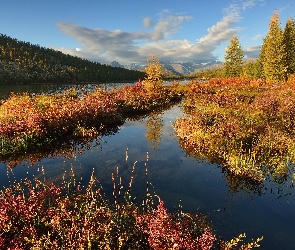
281	186
154	130
68	148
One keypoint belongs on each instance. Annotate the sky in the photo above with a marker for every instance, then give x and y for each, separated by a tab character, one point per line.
129	31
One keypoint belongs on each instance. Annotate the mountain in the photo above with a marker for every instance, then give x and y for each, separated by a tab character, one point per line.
116	64
182	68
213	65
132	66
172	68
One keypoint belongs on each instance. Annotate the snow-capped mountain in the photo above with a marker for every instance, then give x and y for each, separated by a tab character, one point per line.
116	64
174	68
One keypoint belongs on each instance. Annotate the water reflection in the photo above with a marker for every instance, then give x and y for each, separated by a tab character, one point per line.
48	88
236	184
67	148
154	130
234	206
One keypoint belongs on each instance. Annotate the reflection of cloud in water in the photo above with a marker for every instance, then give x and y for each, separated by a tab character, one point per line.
169	117
173	113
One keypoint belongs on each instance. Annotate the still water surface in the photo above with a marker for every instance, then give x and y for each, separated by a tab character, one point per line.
201	186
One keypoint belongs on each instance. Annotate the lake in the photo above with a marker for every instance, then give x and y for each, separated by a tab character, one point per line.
267	210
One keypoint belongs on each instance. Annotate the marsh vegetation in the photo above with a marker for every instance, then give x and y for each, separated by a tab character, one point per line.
242	122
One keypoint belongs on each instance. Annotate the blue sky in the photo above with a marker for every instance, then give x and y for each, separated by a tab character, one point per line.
129	31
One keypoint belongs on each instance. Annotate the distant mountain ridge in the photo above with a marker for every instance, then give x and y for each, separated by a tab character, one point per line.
178	69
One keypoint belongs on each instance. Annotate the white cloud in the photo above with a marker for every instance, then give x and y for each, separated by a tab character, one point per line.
106	46
147	22
256	37
168	26
246	4
252	51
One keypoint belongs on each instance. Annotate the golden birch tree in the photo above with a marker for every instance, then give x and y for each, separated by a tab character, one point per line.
153	81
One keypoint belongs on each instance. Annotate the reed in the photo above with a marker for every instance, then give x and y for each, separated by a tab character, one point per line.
40	215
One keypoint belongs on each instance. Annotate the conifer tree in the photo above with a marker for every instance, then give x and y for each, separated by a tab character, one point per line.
273	51
289	44
259	64
233	58
253	69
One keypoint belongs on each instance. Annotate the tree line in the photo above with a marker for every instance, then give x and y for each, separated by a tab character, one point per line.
276	61
22	62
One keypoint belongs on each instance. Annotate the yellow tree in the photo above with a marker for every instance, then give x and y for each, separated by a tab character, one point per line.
154	75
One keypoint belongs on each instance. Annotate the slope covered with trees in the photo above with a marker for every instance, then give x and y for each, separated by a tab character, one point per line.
22	62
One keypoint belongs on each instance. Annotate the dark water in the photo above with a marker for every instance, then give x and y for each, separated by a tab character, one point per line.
268	210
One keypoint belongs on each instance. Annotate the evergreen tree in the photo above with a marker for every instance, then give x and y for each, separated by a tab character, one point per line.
253	69
259	71
233	58
273	51
289	45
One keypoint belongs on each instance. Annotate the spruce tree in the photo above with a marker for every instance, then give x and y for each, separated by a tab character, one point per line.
233	58
259	63
289	45
273	51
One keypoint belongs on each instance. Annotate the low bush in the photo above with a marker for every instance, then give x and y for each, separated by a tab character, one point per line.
29	122
245	125
38	215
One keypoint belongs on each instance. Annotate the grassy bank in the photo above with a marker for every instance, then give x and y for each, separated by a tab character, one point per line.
245	125
28	122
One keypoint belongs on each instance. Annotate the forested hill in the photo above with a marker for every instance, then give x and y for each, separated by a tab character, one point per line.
22	62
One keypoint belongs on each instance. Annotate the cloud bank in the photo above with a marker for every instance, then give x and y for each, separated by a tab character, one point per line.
134	47
252	51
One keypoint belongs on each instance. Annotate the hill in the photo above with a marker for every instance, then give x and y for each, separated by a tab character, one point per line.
22	62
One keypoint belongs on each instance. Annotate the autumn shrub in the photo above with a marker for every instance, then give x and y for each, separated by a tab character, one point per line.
40	215
28	122
245	125
137	98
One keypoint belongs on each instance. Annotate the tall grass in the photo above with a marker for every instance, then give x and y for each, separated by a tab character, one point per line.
40	215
